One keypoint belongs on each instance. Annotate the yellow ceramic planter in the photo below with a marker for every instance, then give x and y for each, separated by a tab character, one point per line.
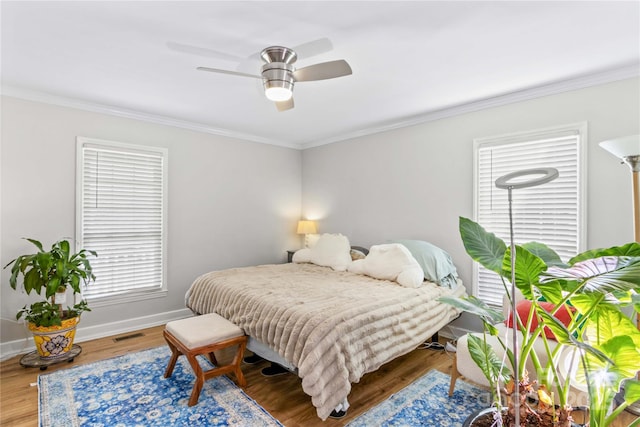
54	341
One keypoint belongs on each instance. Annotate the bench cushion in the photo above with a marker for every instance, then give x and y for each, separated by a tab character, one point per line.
199	331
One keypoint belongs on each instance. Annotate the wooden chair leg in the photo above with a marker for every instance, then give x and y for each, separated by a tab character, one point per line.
237	362
197	385
454	375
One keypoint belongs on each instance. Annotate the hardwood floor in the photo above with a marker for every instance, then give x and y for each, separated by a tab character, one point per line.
281	396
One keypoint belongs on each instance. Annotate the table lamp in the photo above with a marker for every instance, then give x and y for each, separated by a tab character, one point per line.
307	227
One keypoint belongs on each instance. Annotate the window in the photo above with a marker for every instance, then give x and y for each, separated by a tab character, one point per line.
551	213
121	214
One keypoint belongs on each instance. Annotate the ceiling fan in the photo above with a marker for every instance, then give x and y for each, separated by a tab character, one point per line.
279	75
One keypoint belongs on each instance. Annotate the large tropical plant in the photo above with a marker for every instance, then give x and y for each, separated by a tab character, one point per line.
594	287
51	273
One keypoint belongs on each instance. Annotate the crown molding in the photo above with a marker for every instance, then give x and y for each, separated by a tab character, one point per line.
580	82
47	98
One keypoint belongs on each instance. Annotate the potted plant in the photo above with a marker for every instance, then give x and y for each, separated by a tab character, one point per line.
593	288
51	273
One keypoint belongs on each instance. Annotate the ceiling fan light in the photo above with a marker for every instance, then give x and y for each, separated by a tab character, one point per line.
278	90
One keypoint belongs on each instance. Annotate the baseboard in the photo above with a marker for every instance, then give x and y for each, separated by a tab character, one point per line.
12	348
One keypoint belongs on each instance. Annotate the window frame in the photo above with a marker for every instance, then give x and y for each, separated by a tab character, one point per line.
131	295
581	129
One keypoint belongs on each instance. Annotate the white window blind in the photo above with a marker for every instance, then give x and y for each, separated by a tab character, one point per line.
549	213
121	216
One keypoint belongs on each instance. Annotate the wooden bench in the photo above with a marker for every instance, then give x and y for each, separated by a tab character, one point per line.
202	335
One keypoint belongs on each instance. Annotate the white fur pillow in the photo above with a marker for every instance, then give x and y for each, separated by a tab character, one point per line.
390	262
331	250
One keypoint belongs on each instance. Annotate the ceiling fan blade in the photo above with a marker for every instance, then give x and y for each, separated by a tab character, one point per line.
233	73
323	71
284	105
202	51
312	48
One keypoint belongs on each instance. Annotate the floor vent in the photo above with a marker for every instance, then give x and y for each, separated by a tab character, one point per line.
128	337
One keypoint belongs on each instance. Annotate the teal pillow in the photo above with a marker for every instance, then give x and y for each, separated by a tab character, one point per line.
436	264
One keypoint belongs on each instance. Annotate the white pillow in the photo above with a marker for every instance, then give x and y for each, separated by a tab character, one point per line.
390	262
331	250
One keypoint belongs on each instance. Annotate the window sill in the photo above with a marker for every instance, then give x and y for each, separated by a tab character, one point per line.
125	298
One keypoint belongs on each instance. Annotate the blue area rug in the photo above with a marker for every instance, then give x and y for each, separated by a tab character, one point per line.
426	402
130	390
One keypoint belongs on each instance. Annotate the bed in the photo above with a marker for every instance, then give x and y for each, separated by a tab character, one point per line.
330	327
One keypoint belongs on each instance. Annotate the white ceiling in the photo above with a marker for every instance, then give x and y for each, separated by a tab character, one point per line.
410	60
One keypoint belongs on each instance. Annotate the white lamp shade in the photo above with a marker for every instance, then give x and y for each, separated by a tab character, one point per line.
623	147
307	227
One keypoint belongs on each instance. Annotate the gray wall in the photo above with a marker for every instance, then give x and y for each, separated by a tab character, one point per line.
234	203
231	202
415	182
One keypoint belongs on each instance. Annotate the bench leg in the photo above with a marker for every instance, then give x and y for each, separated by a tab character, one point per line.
175	353
237	361
197	386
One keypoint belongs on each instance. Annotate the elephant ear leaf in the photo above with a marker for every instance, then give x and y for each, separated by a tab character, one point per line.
487	360
545	253
602	275
475	306
631	391
635	300
485	248
623	359
630	250
528	270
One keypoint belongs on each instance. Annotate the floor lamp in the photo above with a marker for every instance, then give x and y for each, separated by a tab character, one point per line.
509	182
627	149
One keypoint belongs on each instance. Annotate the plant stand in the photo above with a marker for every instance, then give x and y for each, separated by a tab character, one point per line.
33	359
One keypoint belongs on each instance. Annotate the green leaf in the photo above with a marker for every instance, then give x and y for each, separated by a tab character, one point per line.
472	304
631	391
52	286
603	275
491	329
36	243
64	245
487	360
45	262
528	269
635	300
607	322
32	281
545	253
484	248
625	356
75	284
551	291
630	249
562	334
